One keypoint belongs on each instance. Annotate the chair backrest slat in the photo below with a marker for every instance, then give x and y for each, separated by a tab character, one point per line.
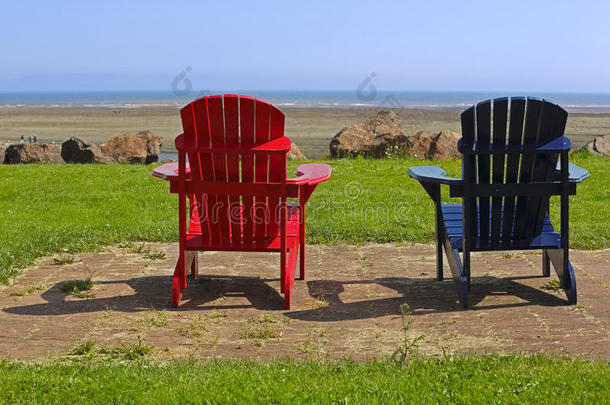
515	135
231	119
469	166
246	121
216	117
199	135
483	116
552	125
500	113
261	213
523	221
277	166
531	123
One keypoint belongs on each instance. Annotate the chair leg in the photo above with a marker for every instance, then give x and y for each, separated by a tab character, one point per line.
439	258
439	234
195	266
302	238
291	267
302	253
565	273
465	283
546	264
571	283
466	264
457	271
177	282
283	258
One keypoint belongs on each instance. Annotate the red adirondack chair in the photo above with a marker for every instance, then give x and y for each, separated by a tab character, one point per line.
237	186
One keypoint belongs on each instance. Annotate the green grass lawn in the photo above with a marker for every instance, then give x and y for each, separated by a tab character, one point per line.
47	209
465	380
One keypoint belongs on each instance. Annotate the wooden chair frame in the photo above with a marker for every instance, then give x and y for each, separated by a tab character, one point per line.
237	161
506	223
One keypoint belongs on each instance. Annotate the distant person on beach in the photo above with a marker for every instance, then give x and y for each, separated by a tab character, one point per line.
35	139
22	141
30	139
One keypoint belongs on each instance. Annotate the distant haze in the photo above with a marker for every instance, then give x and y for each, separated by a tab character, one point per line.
554	46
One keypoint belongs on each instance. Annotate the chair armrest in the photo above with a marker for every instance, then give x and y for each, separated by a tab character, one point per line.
556	145
169	171
311	174
432	174
576	174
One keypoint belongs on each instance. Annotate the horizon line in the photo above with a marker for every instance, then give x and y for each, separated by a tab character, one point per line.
235	91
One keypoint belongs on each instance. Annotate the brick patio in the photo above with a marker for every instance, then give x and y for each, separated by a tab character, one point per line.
348	306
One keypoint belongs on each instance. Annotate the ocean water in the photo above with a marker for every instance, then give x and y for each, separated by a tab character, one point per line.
573	102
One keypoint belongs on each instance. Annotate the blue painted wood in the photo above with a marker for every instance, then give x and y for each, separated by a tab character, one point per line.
557	145
483	118
524	219
576	174
469	169
538	206
565	275
495	170
500	112
515	134
432	174
452	220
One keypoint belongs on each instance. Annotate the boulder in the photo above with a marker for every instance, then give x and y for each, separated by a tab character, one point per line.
143	147
33	153
295	153
376	137
599	146
434	145
75	150
2	154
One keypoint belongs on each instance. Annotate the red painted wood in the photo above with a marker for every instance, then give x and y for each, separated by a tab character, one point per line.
277	167
234	189
169	171
237	155
231	116
278	146
219	211
202	126
191	139
311	173
246	116
260	171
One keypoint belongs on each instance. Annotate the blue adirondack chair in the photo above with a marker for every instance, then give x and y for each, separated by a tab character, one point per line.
514	160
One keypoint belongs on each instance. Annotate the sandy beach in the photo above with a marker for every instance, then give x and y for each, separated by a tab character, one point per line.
310	128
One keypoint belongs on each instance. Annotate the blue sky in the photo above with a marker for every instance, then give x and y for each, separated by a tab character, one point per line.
410	45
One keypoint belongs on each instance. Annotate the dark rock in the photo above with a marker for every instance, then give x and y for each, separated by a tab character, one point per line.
143	147
33	153
75	150
376	137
